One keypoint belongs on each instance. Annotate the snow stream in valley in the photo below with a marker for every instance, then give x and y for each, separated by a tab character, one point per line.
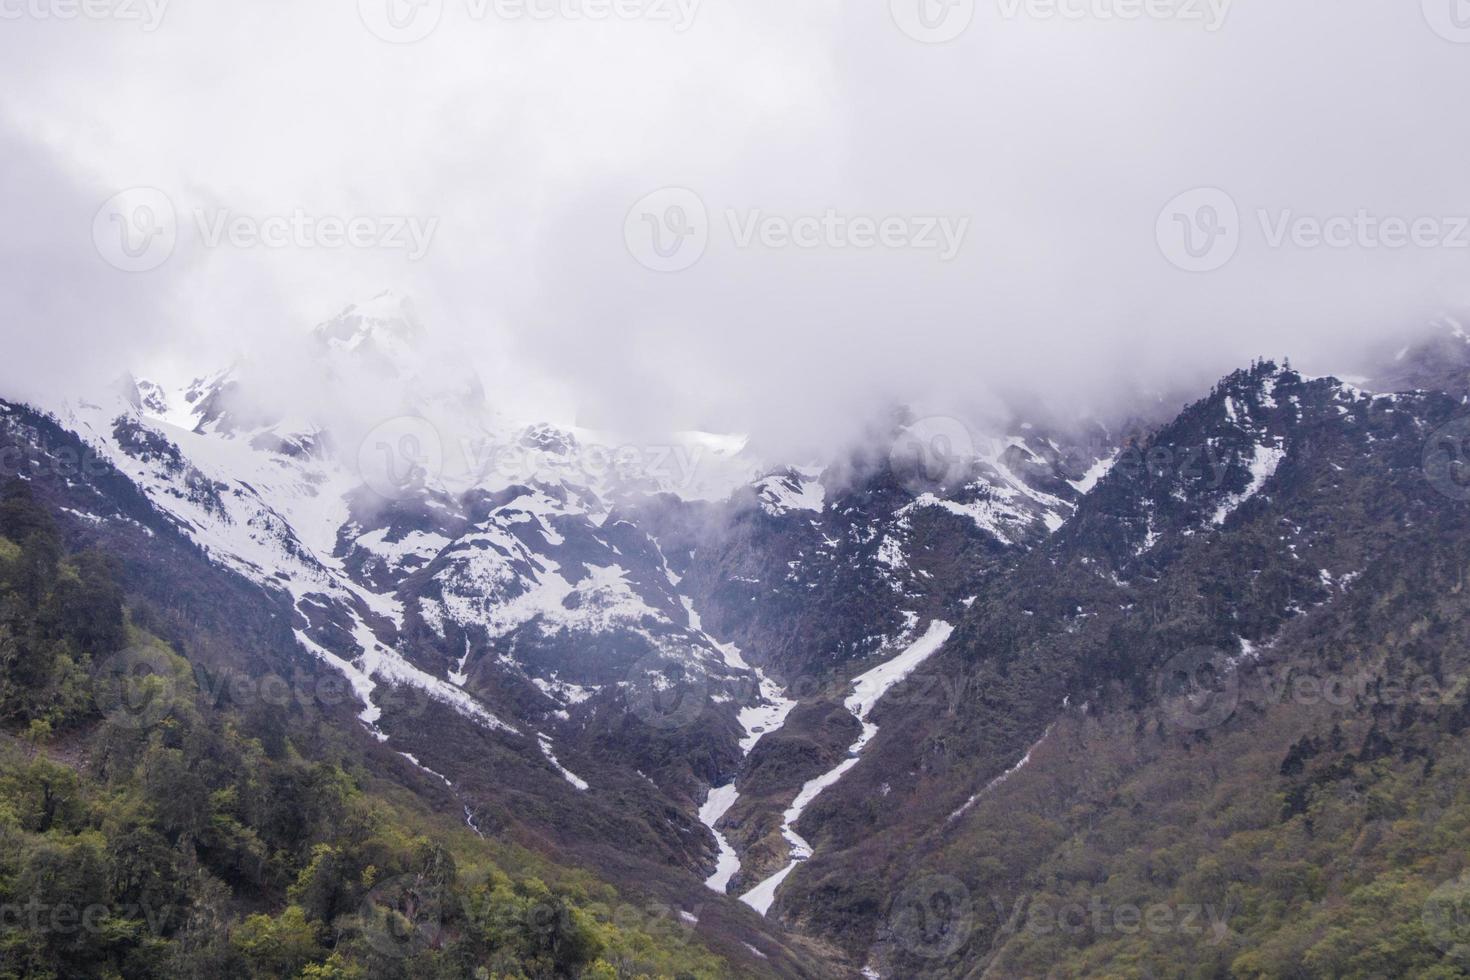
867	690
766	715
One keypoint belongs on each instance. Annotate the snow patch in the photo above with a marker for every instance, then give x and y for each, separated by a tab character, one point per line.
1262	467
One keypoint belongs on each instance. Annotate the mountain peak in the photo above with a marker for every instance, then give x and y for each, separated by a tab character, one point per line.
1438	359
383	323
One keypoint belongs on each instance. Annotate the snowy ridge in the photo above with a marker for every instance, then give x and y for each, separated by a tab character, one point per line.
521	583
212	487
791	490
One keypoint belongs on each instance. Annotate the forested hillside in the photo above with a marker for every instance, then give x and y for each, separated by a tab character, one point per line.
158	822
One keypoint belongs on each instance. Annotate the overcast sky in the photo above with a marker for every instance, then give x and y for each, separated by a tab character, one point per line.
980	192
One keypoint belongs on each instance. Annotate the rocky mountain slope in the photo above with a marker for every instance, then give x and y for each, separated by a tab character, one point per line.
786	699
1174	581
578	640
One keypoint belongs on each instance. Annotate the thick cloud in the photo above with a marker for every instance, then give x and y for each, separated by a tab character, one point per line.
1058	140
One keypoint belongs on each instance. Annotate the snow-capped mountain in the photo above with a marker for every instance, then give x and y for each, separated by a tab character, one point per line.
707	658
552	584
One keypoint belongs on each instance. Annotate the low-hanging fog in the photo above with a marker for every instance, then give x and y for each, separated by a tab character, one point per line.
1023	167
